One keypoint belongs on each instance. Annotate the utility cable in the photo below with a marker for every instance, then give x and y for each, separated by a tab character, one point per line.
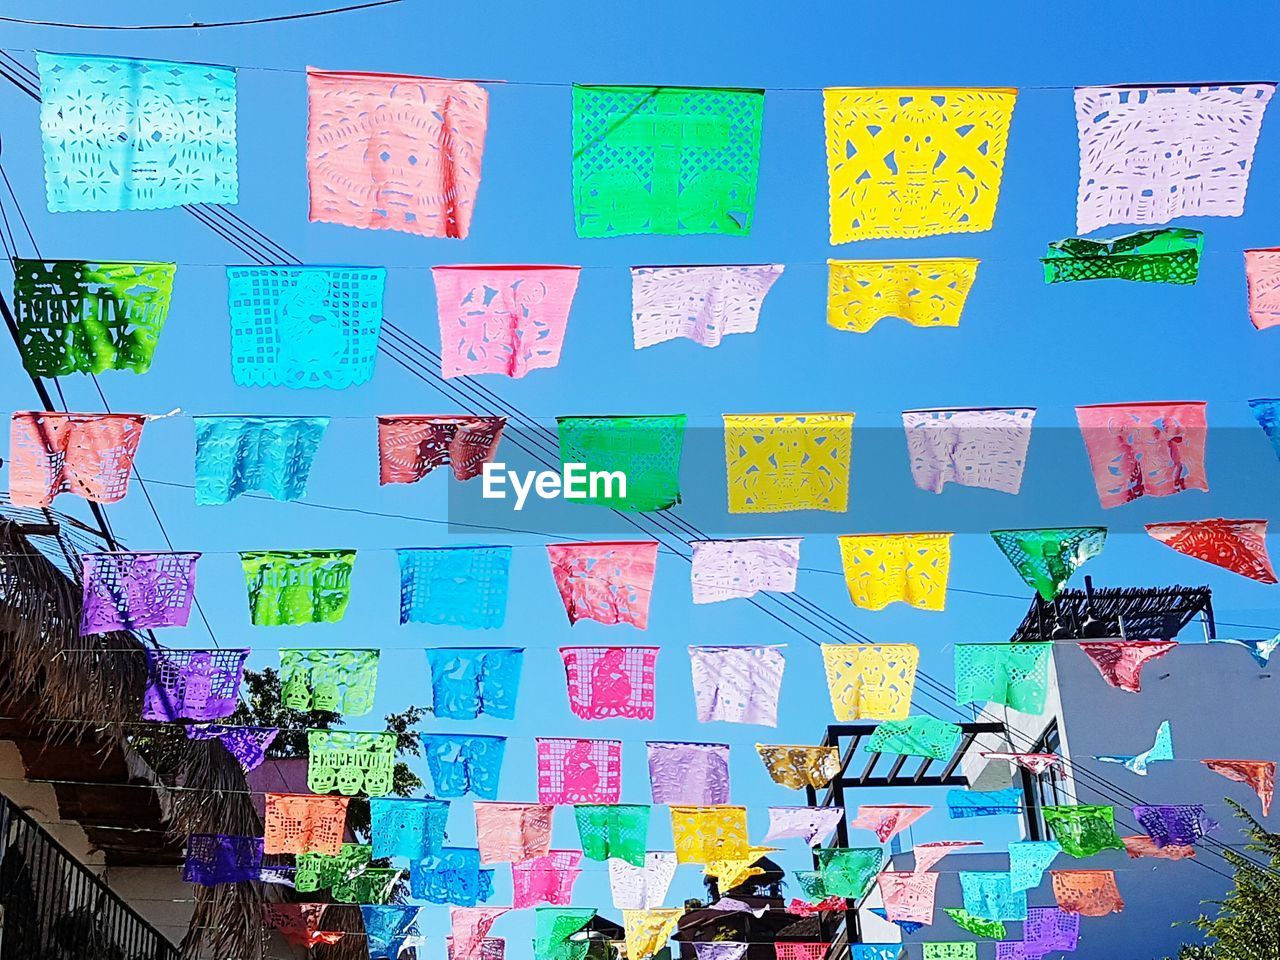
197	25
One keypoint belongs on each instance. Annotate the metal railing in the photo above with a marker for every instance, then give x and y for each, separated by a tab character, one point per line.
55	908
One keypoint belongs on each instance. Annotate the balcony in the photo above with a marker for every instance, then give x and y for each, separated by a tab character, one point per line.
55	908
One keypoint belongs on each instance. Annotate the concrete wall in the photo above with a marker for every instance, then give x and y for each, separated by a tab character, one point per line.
157	893
948	894
874	929
1220	704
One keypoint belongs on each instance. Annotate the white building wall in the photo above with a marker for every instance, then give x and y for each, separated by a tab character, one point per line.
157	893
1025	730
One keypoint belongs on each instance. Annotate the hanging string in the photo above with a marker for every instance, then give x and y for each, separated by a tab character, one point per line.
562	538
568	85
196	24
547	423
612	267
748	744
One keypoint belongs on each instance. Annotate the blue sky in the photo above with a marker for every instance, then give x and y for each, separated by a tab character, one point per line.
1020	342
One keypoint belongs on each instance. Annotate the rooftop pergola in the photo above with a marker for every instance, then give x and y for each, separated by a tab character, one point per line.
1139	613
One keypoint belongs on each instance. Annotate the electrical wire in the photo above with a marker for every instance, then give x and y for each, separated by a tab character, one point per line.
197	25
947	700
403	340
28	84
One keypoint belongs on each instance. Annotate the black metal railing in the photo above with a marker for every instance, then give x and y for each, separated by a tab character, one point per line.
55	908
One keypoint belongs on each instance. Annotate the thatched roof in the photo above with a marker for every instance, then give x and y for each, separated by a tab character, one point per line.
72	704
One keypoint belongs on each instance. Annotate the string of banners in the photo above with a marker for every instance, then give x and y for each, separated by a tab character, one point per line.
405	153
125	134
774	463
610	582
732	684
320	326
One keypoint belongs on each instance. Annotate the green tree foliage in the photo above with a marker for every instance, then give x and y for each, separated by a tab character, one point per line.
1246	923
262	706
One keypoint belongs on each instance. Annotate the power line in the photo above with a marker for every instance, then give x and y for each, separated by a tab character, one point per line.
1249	626
407	343
23	68
947	700
197	25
